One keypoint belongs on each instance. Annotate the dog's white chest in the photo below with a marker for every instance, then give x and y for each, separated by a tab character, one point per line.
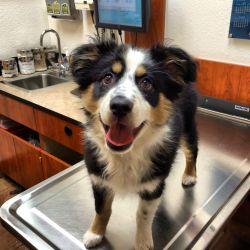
125	174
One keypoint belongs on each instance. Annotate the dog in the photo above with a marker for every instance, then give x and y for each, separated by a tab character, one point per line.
139	107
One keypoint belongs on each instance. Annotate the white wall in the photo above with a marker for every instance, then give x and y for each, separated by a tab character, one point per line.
22	22
72	33
201	27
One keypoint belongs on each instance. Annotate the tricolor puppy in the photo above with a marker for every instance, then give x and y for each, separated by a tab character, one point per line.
139	106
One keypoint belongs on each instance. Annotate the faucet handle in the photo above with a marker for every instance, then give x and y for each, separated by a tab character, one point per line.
62	70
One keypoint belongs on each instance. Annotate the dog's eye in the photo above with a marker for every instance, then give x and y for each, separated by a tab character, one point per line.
145	84
107	79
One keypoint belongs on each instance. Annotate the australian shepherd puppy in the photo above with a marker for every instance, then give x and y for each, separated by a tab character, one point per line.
139	106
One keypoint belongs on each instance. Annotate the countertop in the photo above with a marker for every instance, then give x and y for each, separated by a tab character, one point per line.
57	98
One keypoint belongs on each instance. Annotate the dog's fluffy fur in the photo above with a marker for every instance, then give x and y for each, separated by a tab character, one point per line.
139	106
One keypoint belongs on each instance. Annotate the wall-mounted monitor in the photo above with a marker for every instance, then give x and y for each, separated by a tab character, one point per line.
130	15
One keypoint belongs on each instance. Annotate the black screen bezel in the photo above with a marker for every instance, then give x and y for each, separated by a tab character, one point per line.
143	28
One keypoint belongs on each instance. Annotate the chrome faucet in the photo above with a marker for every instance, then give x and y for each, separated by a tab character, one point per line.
62	69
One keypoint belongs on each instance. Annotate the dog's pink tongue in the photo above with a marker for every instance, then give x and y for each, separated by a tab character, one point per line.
119	135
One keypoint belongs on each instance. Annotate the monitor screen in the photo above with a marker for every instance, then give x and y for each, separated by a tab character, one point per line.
122	14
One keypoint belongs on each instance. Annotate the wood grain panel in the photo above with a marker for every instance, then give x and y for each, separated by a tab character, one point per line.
8	161
54	128
233	82
205	77
225	81
52	165
244	88
29	162
155	34
17	111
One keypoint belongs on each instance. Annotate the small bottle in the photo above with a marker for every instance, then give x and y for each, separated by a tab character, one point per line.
66	59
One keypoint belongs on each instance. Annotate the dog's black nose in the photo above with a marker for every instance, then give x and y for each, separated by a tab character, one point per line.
120	106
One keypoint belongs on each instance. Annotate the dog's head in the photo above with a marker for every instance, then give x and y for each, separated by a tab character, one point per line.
125	90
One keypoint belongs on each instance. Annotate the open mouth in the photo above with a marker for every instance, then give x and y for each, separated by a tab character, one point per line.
120	137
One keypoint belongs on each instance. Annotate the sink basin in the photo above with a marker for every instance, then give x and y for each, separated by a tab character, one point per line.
37	82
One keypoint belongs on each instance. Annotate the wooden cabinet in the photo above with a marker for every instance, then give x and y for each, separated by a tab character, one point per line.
52	165
29	161
224	81
59	130
8	161
26	163
17	111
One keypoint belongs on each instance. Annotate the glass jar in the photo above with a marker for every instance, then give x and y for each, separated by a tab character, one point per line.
26	62
9	67
39	59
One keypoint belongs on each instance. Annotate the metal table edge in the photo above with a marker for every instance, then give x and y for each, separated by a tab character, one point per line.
19	228
226	212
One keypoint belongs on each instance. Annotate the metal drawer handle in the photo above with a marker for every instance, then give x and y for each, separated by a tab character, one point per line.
68	131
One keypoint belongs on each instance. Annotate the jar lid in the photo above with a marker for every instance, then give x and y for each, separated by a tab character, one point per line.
8	60
23	51
37	49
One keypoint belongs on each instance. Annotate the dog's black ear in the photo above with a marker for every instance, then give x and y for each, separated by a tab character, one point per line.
84	59
180	66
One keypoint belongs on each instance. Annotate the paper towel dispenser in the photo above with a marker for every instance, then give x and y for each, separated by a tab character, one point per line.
62	9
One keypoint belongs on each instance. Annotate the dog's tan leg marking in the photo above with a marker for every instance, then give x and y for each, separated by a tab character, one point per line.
189	175
98	227
144	219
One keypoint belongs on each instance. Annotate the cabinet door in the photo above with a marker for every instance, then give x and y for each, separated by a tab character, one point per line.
8	161
52	165
17	111
64	132
29	162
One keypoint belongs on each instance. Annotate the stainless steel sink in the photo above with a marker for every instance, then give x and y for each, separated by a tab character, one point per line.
37	82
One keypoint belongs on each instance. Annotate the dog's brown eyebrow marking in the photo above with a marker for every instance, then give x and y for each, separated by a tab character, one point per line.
117	67
140	71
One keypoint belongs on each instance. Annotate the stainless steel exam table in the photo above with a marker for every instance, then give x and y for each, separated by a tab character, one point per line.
55	213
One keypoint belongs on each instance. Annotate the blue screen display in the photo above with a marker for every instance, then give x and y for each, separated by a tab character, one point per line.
120	12
240	20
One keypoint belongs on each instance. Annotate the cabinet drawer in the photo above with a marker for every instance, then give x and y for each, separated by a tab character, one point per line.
17	111
64	132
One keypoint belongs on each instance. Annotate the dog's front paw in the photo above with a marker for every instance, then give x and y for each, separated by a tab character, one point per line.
188	180
144	244
91	239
